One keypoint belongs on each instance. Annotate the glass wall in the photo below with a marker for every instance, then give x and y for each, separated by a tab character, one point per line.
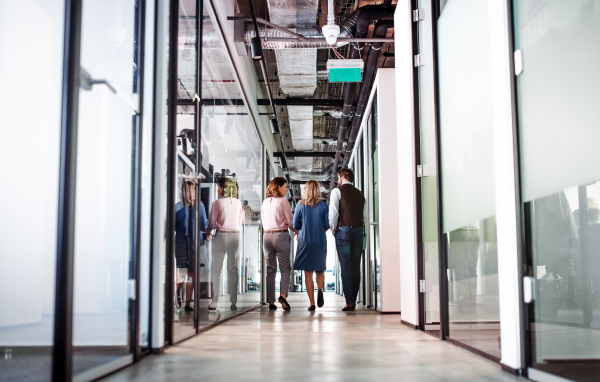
29	161
467	165
218	274
104	206
558	101
231	156
187	220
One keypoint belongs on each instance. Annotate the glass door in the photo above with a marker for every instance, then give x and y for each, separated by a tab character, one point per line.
560	183
103	293
429	285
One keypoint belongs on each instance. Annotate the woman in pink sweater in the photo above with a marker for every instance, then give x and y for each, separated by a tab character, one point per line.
277	220
226	221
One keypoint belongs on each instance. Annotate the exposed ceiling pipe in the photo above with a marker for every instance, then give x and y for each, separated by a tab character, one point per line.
372	57
362	22
278	39
310	42
313	175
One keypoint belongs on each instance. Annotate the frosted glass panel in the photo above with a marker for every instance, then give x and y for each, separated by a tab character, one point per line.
31	47
467	165
465	113
558	97
559	94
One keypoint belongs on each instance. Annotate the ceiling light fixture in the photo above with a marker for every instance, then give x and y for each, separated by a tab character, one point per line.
274	126
330	31
256	48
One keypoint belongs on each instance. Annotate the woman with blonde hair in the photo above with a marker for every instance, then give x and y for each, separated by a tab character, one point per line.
224	226
276	216
312	221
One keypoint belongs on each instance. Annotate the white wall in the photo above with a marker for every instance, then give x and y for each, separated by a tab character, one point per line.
388	191
407	231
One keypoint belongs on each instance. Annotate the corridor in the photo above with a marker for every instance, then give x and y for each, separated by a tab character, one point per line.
327	345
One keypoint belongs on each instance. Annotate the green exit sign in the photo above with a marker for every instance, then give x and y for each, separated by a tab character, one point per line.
345	70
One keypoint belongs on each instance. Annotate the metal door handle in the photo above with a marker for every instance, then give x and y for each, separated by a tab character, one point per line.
374	223
86	81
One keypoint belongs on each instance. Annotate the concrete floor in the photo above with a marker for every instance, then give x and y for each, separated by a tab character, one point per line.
327	345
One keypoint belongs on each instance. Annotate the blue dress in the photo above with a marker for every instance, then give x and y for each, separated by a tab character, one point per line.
312	222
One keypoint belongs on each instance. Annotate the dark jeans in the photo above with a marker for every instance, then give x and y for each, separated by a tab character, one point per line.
349	243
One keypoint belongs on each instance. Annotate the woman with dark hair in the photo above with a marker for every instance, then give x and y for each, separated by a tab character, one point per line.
277	220
312	221
225	219
185	229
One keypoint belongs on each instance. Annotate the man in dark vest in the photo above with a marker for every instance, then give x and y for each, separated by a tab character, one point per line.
346	208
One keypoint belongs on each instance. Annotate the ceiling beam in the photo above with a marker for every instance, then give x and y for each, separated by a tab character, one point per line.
300	182
303	102
265	102
305	154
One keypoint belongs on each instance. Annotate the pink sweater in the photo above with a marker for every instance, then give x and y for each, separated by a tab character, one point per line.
227	214
276	214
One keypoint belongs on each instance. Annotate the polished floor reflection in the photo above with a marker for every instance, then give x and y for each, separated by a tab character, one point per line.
327	345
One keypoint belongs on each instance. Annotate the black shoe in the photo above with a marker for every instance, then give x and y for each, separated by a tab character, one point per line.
348	308
189	309
312	308
320	300
272	307
284	303
233	307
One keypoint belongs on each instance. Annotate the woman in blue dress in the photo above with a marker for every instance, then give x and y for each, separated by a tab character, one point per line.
312	220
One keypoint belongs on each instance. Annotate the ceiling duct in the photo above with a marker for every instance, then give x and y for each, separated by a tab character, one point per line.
319	176
297	70
301	127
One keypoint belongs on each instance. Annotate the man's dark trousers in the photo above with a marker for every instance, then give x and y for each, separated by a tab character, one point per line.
349	243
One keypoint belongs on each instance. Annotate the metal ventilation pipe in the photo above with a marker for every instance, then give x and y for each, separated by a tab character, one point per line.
372	57
314	36
362	21
319	176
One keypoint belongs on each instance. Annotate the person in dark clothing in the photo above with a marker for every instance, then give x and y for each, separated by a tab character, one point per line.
185	228
346	211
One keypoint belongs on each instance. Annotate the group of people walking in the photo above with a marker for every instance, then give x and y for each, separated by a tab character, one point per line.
309	224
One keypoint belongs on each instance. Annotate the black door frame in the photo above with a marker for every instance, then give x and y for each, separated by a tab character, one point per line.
443	281
442	237
171	171
63	301
136	213
414	4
